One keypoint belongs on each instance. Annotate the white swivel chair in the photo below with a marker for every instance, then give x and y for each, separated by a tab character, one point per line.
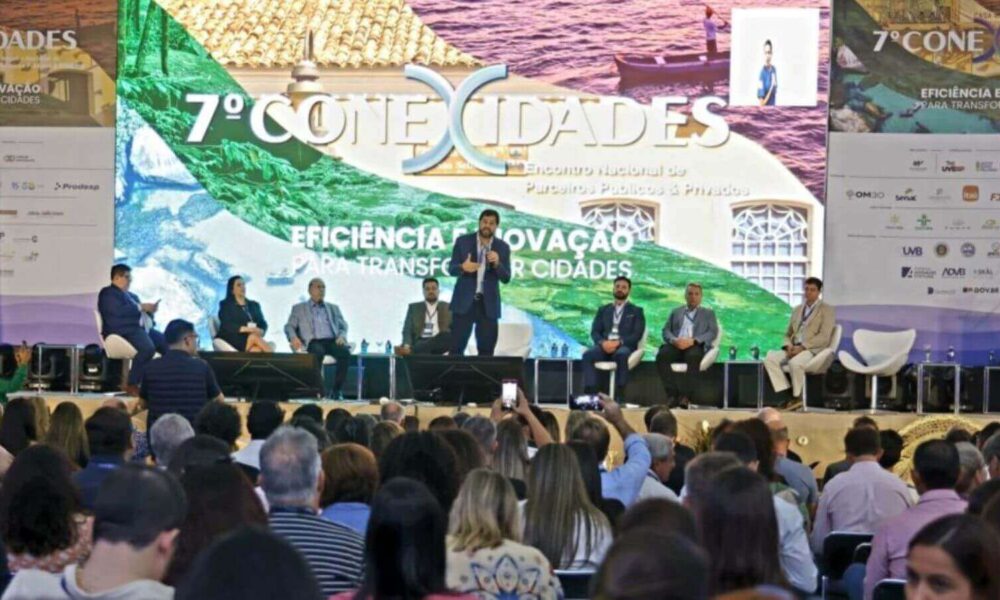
707	361
513	339
218	344
633	361
115	346
820	363
884	353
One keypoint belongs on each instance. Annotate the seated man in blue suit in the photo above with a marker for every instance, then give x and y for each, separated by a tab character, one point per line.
480	261
122	314
319	328
617	330
686	338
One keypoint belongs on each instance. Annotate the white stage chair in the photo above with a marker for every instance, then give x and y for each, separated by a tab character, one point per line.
633	361
115	346
707	361
218	344
820	363
884	353
513	339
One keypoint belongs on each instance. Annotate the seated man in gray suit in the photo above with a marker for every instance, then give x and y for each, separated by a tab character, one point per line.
427	327
319	328
686	337
810	329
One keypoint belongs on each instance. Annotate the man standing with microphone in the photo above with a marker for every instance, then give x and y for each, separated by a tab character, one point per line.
480	261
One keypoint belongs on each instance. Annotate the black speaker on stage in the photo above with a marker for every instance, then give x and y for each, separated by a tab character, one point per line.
93	369
47	369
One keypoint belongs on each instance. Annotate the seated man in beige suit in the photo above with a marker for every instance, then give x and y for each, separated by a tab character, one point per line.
809	331
427	327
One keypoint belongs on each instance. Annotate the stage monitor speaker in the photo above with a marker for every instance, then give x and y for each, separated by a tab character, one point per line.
47	369
461	379
93	369
266	376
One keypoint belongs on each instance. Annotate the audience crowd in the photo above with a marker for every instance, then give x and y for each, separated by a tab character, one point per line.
510	505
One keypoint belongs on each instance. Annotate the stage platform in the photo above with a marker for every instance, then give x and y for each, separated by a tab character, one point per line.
816	436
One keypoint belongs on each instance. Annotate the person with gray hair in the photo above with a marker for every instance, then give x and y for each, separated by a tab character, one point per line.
292	480
991	455
972	472
167	433
699	473
661	451
392	411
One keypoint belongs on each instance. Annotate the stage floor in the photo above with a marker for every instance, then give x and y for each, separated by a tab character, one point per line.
816	436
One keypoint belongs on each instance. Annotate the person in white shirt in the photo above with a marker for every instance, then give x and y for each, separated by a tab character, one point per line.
262	420
137	516
661	452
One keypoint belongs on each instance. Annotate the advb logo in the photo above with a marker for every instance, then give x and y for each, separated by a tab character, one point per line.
953	272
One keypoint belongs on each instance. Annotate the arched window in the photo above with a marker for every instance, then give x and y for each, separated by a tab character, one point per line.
611	214
770	247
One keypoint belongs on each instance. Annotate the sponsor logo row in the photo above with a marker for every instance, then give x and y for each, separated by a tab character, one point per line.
943	249
947	273
968	193
951	167
923	222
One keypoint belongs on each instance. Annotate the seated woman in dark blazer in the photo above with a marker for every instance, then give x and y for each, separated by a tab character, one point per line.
240	321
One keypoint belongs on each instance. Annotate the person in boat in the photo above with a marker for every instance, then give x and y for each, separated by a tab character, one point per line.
767	88
711	31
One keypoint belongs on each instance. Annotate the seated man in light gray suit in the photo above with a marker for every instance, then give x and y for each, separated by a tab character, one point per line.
427	327
686	337
319	328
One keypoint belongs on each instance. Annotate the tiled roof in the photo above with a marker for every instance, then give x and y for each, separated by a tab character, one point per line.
347	33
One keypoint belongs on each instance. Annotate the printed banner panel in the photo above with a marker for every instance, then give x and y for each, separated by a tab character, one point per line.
354	141
57	149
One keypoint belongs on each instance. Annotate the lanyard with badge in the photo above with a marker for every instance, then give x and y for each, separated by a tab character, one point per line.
615	320
807	312
429	322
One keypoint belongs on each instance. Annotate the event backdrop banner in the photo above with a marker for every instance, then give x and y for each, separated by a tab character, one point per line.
353	140
928	206
57	136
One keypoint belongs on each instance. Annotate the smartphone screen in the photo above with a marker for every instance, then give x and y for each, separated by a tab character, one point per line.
509	394
585	402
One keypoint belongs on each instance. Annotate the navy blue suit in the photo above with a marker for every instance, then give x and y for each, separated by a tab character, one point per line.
468	309
121	315
631	328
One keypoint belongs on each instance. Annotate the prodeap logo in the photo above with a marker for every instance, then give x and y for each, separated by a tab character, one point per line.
931	291
968	249
454	137
906	196
970	193
941	250
986	166
916	273
913	251
953	272
951	166
924	223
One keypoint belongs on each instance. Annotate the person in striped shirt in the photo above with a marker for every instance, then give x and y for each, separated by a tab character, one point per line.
292	479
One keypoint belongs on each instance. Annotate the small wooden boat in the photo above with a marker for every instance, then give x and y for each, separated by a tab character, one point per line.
679	67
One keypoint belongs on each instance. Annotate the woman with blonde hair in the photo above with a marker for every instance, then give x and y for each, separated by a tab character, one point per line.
511	456
66	432
485	556
559	518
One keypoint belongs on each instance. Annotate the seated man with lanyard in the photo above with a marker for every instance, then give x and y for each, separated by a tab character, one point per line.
686	337
319	328
617	330
427	326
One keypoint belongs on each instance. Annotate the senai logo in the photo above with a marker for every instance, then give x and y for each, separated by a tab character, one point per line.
979	40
